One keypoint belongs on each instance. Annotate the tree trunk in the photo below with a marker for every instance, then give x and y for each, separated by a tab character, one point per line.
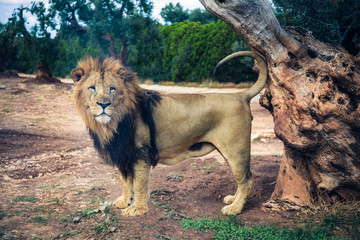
44	74
313	93
123	55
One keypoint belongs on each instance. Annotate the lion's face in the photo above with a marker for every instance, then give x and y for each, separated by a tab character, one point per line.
104	92
102	96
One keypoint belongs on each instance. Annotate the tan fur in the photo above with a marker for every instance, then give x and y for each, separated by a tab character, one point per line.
187	125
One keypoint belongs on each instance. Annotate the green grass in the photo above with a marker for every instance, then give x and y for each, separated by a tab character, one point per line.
3	214
79	193
78	213
110	224
39	219
71	234
331	227
25	199
38	120
214	166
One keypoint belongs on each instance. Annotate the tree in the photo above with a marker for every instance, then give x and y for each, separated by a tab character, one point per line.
21	46
192	50
313	93
175	13
44	47
328	21
7	45
145	46
172	14
202	16
104	23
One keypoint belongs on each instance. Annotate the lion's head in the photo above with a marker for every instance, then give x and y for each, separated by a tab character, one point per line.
105	92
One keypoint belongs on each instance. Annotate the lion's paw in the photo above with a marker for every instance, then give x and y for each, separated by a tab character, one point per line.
121	203
231	210
134	211
229	199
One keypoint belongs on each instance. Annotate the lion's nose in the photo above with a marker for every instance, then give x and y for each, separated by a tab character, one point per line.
103	105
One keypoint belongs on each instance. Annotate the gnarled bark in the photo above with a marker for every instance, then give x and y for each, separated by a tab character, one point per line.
313	93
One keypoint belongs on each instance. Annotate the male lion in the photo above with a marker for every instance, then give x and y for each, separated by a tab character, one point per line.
134	128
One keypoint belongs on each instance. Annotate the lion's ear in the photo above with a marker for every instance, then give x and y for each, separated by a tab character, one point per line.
121	71
76	74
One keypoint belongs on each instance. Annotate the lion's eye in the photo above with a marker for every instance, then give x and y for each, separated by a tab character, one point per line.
92	88
112	89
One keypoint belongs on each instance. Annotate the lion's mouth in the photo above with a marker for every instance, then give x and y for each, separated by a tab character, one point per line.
103	118
103	113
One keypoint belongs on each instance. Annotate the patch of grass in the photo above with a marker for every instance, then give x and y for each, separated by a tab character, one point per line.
169	211
79	193
108	225
84	213
38	120
49	186
3	214
175	176
56	200
51	211
38	209
39	219
25	199
71	234
214	166
18	212
6	110
91	200
328	228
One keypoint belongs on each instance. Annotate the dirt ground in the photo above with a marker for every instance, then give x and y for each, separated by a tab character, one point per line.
54	186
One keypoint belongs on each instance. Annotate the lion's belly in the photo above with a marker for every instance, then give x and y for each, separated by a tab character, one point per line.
177	154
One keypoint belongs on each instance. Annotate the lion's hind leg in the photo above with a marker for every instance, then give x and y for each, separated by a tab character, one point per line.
127	196
238	200
240	166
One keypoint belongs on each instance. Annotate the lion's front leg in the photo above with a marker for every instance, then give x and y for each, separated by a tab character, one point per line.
141	190
127	194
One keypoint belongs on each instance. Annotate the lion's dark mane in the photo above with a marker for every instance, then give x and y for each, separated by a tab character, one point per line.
121	151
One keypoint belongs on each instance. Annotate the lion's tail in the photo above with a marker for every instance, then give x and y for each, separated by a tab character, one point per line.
260	83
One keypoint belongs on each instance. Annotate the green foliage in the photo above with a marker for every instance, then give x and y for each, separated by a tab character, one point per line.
145	46
186	51
329	21
202	16
232	229
192	50
174	13
70	51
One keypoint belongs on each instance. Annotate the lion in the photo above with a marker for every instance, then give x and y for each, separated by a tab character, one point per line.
135	129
